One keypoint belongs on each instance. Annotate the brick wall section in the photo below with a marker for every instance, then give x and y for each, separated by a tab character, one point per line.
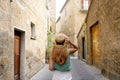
19	15
106	12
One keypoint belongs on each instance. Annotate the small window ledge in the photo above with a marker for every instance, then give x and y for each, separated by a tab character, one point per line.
33	38
83	10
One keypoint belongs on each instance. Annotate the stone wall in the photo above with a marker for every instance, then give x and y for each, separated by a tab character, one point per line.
66	22
52	14
106	13
82	46
80	16
18	15
6	48
58	25
72	18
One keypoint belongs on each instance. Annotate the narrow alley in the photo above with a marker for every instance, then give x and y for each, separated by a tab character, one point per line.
80	71
27	39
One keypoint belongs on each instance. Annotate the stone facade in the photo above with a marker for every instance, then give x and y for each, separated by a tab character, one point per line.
80	15
103	19
81	40
81	35
65	24
51	16
58	25
51	27
71	19
17	15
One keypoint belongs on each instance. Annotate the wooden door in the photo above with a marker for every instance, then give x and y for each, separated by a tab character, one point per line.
95	35
17	42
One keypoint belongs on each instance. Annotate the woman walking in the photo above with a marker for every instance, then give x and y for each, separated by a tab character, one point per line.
59	60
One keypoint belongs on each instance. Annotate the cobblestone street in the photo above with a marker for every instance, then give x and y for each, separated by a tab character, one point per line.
80	71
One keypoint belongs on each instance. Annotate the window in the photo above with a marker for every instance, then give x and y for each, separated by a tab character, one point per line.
47	7
33	35
11	0
84	5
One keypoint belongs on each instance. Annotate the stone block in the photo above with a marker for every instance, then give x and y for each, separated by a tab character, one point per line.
113	76
1	69
1	77
5	61
103	71
4	10
1	52
9	75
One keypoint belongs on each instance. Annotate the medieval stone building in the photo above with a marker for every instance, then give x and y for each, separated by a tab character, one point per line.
102	31
81	10
82	40
65	23
51	27
22	38
72	18
51	16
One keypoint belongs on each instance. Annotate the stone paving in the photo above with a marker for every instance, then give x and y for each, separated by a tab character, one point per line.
80	71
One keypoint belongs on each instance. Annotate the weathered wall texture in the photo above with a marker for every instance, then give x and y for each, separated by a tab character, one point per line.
51	27
18	15
58	26
6	48
66	22
71	19
107	14
51	15
79	16
82	43
52	7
